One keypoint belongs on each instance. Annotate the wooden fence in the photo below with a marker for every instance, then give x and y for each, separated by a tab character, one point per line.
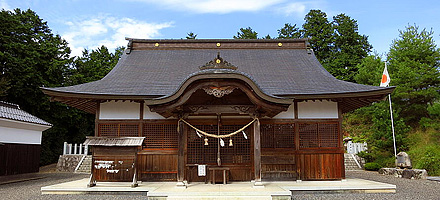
75	149
354	148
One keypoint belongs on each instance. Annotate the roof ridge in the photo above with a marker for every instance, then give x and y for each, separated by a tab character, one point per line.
10	105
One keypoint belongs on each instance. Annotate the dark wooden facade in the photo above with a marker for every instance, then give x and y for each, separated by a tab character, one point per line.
241	80
290	149
19	158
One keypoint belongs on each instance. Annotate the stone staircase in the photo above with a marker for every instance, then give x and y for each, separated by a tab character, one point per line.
85	166
350	163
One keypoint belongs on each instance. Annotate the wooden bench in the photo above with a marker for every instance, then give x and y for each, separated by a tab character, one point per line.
225	170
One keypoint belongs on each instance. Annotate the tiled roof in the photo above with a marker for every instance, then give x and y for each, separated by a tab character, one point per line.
114	141
156	69
13	112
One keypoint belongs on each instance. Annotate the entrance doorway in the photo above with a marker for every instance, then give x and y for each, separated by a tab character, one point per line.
238	157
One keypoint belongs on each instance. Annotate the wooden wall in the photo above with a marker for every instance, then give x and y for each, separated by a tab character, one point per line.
291	148
320	165
278	165
19	158
157	165
113	163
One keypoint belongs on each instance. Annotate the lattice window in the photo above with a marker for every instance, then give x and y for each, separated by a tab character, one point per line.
160	136
278	135
207	154
119	129
129	130
315	135
328	135
108	129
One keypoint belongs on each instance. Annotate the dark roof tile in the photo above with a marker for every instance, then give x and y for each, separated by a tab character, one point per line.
13	112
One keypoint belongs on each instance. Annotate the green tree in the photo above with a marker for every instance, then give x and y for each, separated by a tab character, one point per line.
349	48
414	68
267	37
94	65
289	32
246	33
191	36
320	33
32	57
370	70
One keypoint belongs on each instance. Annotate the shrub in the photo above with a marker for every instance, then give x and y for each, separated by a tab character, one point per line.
372	166
427	157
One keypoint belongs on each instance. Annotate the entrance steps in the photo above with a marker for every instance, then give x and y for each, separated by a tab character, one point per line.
85	166
350	162
222	197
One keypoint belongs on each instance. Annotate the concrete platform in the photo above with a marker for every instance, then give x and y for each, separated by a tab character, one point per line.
236	190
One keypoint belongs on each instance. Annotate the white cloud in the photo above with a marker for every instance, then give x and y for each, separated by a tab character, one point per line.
215	6
108	31
297	8
4	5
283	7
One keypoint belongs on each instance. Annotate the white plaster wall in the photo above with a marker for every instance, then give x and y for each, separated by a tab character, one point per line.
317	110
119	110
289	114
151	115
22	136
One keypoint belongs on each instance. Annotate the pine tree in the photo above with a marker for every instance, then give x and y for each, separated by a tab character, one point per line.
414	68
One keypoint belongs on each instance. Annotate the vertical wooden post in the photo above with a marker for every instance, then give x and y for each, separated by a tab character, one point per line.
297	144
141	119
257	154
340	143
98	107
181	155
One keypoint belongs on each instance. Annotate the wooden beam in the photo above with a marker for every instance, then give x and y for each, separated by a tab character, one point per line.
224	109
181	155
98	110
340	137
257	153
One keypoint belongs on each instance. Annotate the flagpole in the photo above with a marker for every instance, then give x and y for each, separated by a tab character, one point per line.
385	83
392	126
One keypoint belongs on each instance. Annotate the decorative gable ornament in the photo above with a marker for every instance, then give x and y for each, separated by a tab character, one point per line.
218	63
219	92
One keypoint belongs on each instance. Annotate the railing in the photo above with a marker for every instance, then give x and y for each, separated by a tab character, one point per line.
75	149
354	148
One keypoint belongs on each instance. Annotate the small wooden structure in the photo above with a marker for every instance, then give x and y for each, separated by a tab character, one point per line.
264	109
114	159
20	140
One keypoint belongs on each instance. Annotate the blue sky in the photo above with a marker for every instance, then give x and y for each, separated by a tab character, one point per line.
92	23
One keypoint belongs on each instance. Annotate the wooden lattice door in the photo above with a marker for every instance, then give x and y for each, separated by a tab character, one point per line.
237	157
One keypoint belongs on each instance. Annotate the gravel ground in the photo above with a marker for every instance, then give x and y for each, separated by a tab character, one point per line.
406	189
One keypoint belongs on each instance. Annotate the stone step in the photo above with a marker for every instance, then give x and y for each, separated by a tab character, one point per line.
250	197
350	163
86	165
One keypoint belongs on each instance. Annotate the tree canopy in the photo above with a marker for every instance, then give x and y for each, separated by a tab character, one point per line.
32	57
414	67
336	44
246	33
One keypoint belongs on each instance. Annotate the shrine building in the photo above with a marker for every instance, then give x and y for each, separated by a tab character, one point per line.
255	109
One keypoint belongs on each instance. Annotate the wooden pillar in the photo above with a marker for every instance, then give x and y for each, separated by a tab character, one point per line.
257	154
98	108
141	119
341	145
181	155
297	144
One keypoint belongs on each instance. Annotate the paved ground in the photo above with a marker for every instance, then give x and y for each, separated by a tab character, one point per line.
406	189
